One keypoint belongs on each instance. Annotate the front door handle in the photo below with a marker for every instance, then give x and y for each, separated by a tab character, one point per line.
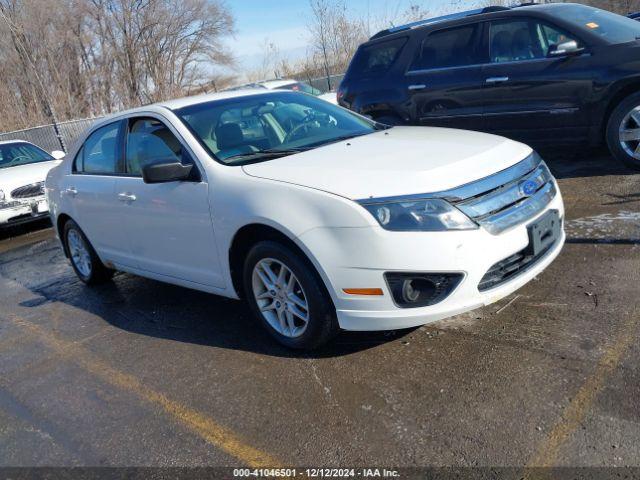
420	86
71	191
497	79
127	197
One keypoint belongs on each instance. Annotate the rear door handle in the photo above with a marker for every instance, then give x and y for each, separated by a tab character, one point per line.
71	191
420	86
127	197
497	79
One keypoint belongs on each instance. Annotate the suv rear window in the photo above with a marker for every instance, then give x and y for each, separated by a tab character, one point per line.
377	58
454	47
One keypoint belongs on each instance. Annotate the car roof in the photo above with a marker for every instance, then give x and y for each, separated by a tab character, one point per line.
477	15
273	84
210	97
178	103
6	142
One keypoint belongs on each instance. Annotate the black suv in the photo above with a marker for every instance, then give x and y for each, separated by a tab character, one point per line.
542	74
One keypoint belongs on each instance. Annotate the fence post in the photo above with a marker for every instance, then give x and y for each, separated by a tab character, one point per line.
59	135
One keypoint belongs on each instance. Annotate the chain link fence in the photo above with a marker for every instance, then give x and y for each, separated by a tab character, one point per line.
45	136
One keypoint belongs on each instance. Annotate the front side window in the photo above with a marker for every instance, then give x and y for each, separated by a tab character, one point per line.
454	47
149	141
21	153
522	39
100	151
377	58
609	26
261	127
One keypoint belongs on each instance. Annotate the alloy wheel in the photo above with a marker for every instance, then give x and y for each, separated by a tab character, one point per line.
79	253
629	133
280	297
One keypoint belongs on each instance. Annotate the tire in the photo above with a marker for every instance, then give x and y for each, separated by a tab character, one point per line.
275	311
87	265
391	120
621	119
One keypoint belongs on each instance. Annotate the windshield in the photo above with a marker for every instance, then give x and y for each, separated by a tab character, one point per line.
21	153
612	27
301	87
261	127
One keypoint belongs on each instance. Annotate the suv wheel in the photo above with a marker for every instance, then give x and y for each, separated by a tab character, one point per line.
84	258
623	131
288	297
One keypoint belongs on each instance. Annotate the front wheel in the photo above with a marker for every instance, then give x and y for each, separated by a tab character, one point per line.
623	132
84	259
288	297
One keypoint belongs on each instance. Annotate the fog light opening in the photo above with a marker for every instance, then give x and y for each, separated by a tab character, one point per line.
417	289
412	290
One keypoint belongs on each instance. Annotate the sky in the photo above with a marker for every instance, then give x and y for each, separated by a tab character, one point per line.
284	23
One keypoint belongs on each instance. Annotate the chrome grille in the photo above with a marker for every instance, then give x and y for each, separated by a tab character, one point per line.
506	198
29	191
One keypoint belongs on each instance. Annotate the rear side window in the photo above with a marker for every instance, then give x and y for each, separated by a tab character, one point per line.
100	151
455	47
378	58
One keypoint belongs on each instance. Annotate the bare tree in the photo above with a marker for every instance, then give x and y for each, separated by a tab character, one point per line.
77	58
335	35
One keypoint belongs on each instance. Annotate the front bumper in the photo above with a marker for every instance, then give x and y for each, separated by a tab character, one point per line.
24	211
358	258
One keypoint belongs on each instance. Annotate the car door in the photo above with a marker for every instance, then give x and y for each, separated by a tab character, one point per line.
444	80
529	94
168	225
90	192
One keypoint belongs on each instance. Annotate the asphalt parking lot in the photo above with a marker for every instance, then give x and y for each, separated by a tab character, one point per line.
138	373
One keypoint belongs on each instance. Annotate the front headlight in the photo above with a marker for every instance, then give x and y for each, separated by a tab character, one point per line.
427	215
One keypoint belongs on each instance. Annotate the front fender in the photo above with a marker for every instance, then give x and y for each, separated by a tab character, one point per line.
240	200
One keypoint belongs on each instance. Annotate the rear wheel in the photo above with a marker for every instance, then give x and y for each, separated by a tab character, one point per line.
288	297
84	259
623	132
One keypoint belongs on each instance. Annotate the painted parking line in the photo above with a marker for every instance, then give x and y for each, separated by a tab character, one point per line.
16	242
574	414
204	426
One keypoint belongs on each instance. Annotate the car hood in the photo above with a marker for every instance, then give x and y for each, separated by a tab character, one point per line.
21	175
398	161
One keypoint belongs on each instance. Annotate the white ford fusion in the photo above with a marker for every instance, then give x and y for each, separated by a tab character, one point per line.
319	218
23	168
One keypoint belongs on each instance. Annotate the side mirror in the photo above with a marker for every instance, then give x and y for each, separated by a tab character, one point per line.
166	172
58	154
565	49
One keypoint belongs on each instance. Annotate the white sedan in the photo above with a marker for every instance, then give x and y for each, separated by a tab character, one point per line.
23	169
320	218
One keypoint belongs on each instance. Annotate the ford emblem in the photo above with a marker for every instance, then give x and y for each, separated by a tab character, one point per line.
529	187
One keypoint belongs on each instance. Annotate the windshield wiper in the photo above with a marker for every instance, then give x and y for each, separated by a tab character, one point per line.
267	154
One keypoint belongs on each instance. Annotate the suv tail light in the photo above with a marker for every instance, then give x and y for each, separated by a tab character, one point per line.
341	93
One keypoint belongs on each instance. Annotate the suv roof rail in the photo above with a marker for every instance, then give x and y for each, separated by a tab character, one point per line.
443	18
